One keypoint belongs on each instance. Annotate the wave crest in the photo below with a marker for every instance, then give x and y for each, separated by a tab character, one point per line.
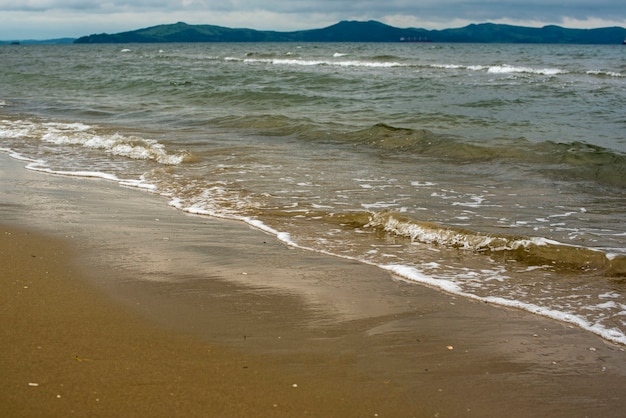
576	160
80	134
528	250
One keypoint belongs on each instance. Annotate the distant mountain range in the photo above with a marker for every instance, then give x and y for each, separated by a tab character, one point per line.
46	41
370	31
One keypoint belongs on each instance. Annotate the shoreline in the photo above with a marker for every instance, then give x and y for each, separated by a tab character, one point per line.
147	301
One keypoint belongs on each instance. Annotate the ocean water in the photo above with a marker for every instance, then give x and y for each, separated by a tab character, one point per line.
493	172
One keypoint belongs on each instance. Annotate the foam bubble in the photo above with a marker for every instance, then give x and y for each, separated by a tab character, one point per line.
422	184
609	295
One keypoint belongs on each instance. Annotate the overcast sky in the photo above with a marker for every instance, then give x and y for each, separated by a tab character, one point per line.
47	19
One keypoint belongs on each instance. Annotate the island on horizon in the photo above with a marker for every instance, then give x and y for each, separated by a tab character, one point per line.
357	31
370	31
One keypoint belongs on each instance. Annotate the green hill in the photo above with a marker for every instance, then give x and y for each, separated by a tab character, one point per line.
370	31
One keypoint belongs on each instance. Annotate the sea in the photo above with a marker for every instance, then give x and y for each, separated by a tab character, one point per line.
494	172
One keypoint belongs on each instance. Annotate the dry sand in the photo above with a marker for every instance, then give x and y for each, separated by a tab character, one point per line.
100	315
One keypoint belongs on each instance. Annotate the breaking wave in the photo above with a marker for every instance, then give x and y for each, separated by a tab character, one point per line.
532	251
79	134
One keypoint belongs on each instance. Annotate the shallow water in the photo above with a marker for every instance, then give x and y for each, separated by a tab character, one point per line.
495	172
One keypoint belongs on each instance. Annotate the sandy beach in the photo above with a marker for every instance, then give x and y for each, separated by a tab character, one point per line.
114	304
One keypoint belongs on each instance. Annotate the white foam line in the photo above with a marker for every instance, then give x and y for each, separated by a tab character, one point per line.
412	274
348	63
40	166
87	174
20	157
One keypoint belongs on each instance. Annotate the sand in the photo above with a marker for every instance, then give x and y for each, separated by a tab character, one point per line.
113	304
66	351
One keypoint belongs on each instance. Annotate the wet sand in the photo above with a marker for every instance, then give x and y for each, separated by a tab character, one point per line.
113	304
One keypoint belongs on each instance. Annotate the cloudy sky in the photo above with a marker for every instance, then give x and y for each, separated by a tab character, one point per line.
46	19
